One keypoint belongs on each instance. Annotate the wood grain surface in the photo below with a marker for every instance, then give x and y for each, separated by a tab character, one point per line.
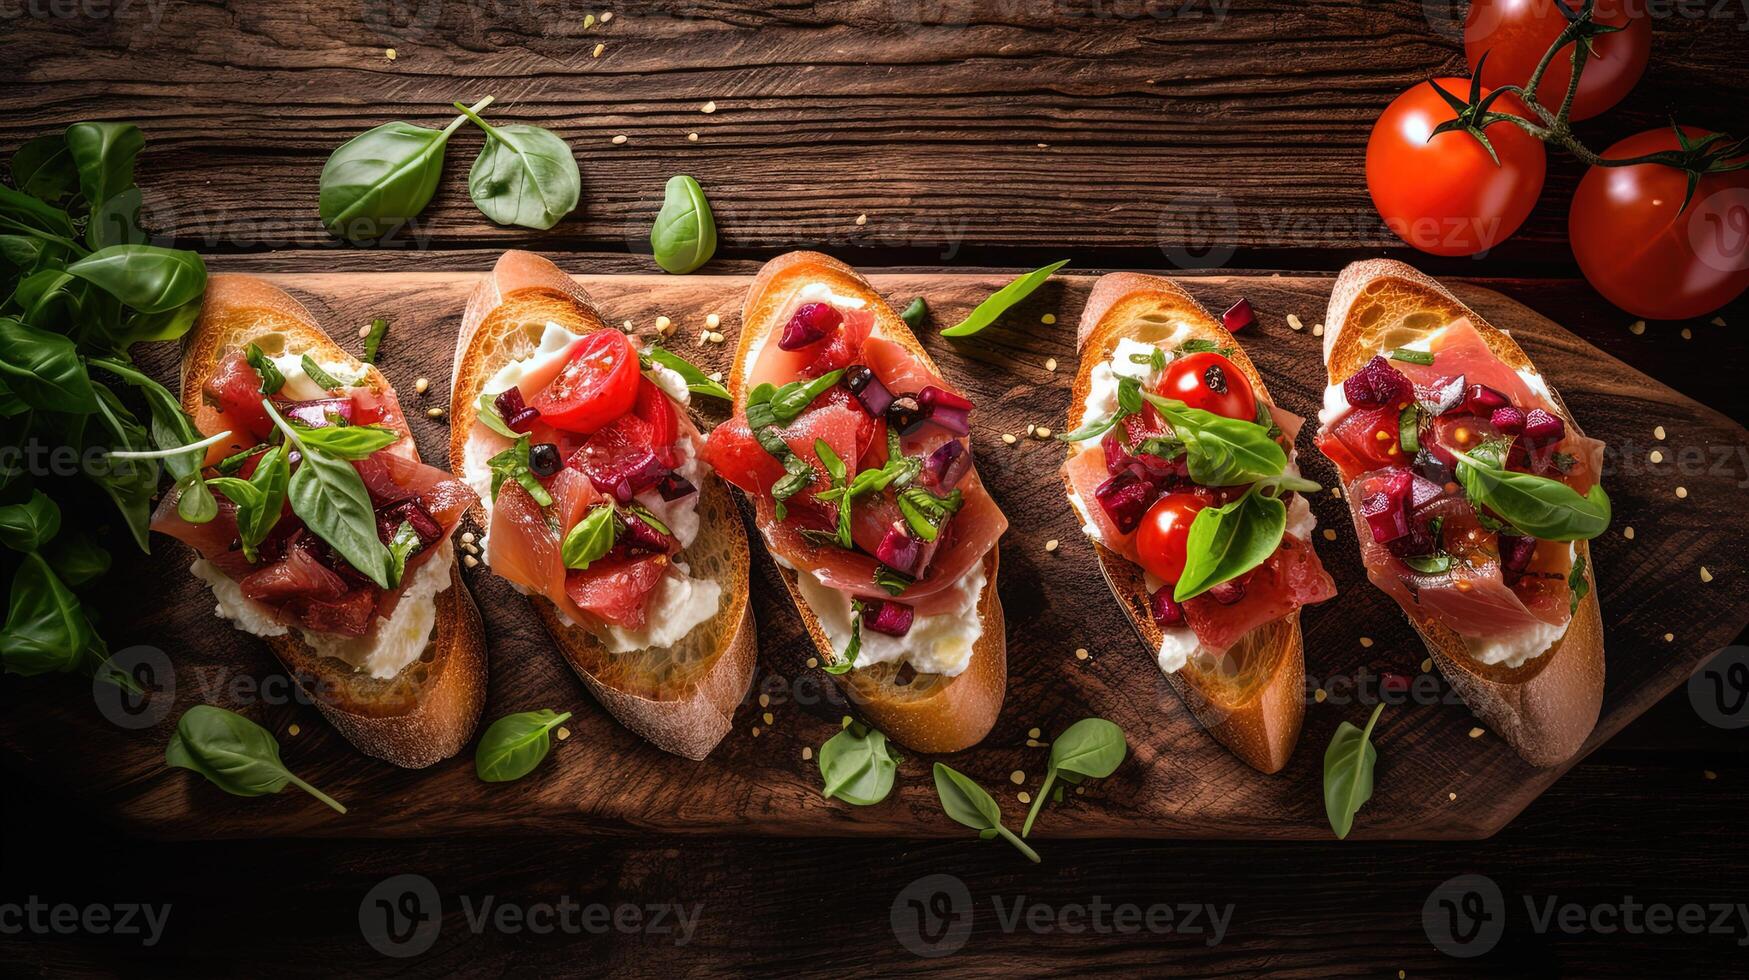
1179	782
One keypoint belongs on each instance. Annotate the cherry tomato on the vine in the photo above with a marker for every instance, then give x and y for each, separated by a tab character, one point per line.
1164	532
1446	195
1208	381
1515	34
1643	250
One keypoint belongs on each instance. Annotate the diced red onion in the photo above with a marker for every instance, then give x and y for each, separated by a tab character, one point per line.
315	413
1507	419
1516	552
899	551
515	413
641	537
1386	508
1376	384
1423	491
931	397
1482	400
1125	500
1167	612
870	393
891	618
390	518
810	324
1238	316
1542	427
944	467
673	486
627	477
1227	592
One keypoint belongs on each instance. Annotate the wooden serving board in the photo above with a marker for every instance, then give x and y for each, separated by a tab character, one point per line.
1177	783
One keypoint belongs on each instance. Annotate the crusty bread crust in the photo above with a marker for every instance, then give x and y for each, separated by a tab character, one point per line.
928	712
1253	701
428	711
1547	707
683	698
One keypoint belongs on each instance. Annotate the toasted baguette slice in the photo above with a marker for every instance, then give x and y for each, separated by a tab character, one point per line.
926	712
682	698
1253	699
1546	707
428	711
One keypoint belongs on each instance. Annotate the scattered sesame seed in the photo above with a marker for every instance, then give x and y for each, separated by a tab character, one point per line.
389	53
1401	974
1717	321
1658	433
717	376
1294	321
1451	796
606	16
1427	665
1043	432
1044	146
470	561
1081	653
1017	777
1329	534
807	753
435	413
716	337
1051	545
813	661
1656	457
1708	773
769	718
1033	743
293	730
1023	796
364	331
862	219
1705	576
1681	493
1637	327
1687	334
1669	637
713	321
468	537
1008	437
619	139
1317	330
1336	492
1051	364
1366	641
704	337
664	325
598	49
563	733
1048	319
692	137
422	385
588	21
1080	791
765	700
1475	733
1034	733
755	731
1628	532
1319	695
1031	428
708	108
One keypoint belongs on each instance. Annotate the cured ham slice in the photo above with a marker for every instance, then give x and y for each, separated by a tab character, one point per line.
1289	579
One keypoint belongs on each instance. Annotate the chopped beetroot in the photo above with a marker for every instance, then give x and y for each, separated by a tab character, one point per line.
899	551
673	486
1125	500
1423	491
1542	427
1117	458
811	324
891	618
945	409
1443	396
1386	506
1507	419
1238	316
515	413
1483	400
1377	384
1166	610
319	412
391	517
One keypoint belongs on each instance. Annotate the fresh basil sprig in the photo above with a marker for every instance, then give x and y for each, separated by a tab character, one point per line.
486	411
857	765
840	475
382	178
513	464
403	544
1228	541
1348	771
786	402
697	381
260	499
1001	301
524	175
1091	748
925	513
330	497
1219	451
1578	586
234	754
271	378
325	381
515	744
591	539
1536	505
348	442
968	804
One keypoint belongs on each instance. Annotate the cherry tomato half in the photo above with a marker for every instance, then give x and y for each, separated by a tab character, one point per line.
1208	381
1446	195
1646	253
597	385
1515	34
1164	532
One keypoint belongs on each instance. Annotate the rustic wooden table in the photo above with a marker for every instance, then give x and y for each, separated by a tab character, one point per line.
1172	135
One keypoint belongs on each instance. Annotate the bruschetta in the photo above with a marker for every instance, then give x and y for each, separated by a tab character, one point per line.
330	539
1182	472
856	453
1474	493
596	504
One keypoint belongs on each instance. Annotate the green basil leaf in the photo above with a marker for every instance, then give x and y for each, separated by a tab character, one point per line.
1348	770
1408	356
1435	564
794	398
131	484
382	178
486	411
44	169
1219	451
966	803
1001	300
145	277
233	464
914	313
348	442
323	380
77	558
684	236
857	766
644	514
1198	345
234	754
1578	586
331	498
43	369
29	526
513	464
591	539
153	327
892	581
402	545
1226	542
697	381
373	340
260	500
1536	505
1093	429
1409	429
104	154
798	475
1091	748
46	629
847	660
523	176
925	513
194	502
515	744
271	378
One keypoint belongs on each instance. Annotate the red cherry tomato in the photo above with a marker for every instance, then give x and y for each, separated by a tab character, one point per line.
1515	34
1643	251
1446	195
1164	532
1212	383
598	384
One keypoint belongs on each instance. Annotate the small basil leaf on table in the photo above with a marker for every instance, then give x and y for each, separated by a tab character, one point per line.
857	765
914	313
29	526
234	754
1091	748
373	339
1536	505
1348	772
515	744
145	277
1226	542
383	177
968	804
684	236
43	369
524	175
46	629
330	497
1001	300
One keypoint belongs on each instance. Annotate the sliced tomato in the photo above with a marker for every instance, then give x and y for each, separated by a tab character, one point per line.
658	411
1364	439
615	589
597	385
235	390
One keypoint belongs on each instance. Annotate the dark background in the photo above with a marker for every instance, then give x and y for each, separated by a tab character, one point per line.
1234	133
